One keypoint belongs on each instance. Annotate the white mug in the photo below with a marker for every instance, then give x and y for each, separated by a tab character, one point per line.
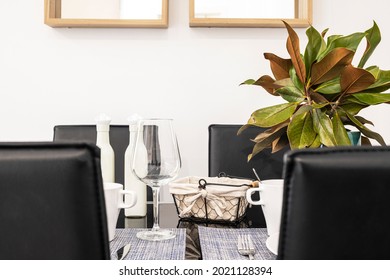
114	194
271	198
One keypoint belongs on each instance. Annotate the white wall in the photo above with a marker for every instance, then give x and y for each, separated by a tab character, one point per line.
52	76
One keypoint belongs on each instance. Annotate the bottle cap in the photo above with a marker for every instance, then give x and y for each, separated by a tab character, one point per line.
103	122
133	122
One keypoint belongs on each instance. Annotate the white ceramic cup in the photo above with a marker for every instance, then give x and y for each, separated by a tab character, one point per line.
271	198
114	197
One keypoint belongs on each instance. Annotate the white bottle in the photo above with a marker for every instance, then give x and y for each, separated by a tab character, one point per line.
131	181
107	157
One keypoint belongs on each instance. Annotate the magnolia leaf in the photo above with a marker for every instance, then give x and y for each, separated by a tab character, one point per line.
257	148
314	47
295	80
280	67
331	65
242	128
300	131
279	128
350	42
267	137
330	87
284	83
364	141
323	33
273	115
363	120
303	109
374	70
382	82
316	143
248	82
372	98
355	79
295	53
339	131
280	143
318	98
264	81
352	107
367	132
291	94
331	38
373	36
323	126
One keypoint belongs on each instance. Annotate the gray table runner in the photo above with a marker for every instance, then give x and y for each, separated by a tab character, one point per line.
221	243
173	249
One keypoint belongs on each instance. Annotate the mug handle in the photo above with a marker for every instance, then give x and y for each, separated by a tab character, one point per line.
130	194
249	193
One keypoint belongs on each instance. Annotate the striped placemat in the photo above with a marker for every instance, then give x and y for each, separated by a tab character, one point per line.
172	249
221	243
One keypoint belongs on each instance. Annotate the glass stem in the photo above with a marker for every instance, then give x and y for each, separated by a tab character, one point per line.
156	191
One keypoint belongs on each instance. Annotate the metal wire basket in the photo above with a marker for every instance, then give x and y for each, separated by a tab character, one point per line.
211	199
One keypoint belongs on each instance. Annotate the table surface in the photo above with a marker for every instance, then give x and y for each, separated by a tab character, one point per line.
169	219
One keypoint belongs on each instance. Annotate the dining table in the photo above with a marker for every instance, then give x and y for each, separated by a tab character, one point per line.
193	240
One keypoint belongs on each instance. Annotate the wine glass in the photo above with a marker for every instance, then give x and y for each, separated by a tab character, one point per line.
156	162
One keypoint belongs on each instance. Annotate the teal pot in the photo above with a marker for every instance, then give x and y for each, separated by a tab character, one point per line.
355	137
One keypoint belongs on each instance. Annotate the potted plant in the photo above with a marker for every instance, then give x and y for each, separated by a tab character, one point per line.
322	90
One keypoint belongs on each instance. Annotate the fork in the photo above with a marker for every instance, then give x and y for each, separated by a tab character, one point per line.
245	246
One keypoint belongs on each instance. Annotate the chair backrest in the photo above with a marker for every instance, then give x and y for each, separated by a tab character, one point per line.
52	202
228	152
336	204
119	140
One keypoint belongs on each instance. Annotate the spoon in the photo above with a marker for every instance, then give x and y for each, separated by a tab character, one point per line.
257	176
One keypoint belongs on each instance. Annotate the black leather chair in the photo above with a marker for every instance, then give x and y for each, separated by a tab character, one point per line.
119	140
52	202
228	152
336	204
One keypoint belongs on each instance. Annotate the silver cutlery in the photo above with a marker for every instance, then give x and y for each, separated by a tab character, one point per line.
245	246
123	251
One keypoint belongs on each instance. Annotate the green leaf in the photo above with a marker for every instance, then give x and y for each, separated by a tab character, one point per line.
265	82
323	33
295	80
372	98
355	79
248	82
352	107
273	115
339	131
363	120
280	67
350	42
373	36
314	47
331	65
367	132
374	70
382	82
303	109
300	131
316	143
323	126
330	87
291	94
331	38
295	53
